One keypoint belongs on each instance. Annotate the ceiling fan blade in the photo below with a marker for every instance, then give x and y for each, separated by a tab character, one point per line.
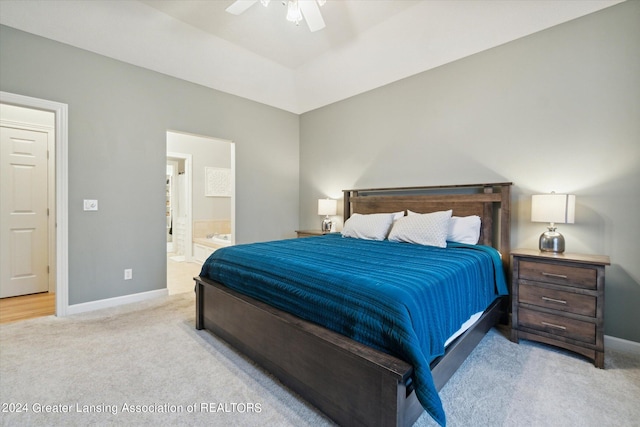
240	6
312	14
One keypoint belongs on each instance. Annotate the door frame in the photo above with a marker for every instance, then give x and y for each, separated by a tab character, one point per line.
188	163
61	112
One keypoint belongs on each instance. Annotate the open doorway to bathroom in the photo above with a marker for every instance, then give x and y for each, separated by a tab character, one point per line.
200	206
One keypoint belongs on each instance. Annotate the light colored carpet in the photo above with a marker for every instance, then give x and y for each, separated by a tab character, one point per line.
149	354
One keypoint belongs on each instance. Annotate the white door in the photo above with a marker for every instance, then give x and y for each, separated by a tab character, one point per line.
23	212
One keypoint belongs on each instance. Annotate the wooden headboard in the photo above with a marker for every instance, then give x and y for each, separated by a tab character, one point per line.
491	202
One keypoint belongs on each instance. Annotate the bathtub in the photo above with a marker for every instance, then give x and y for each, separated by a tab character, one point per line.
205	246
221	239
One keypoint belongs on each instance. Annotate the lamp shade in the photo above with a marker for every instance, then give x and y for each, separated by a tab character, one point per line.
556	208
327	206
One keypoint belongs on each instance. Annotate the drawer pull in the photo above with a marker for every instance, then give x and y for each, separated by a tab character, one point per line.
551	325
559	301
559	276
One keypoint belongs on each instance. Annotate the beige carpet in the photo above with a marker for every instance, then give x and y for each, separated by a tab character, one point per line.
145	364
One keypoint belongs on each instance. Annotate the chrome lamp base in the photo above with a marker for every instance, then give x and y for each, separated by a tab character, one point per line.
551	241
326	224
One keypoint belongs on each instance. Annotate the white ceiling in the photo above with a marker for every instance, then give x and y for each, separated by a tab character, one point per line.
260	56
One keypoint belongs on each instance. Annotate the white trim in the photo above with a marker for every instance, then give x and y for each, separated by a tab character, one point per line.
51	203
619	344
116	301
188	172
62	189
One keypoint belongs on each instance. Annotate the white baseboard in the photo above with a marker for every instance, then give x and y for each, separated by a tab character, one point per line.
619	344
113	302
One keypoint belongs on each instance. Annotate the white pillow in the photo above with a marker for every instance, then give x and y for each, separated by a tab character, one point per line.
398	215
464	229
424	229
370	227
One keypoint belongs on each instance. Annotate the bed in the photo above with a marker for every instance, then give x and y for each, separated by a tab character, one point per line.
354	382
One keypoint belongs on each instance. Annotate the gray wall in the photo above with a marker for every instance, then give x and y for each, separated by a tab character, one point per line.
569	95
558	110
118	118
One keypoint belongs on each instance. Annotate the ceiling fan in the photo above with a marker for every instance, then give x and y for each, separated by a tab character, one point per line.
296	9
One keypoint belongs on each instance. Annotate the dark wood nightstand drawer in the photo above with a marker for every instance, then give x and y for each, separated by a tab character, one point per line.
557	325
557	300
559	274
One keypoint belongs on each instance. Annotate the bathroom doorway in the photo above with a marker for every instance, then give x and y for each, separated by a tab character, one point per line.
178	202
200	187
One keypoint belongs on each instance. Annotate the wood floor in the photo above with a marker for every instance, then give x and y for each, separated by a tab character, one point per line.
27	307
179	279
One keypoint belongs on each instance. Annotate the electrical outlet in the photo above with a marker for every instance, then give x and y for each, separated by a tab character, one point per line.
128	274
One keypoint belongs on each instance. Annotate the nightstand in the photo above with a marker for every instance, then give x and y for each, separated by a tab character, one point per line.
309	233
558	299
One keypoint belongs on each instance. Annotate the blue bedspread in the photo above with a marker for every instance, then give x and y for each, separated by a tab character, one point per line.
403	299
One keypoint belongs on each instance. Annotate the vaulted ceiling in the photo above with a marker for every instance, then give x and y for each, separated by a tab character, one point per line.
261	56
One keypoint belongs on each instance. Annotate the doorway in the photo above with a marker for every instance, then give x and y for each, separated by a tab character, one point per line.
178	205
194	211
26	136
56	187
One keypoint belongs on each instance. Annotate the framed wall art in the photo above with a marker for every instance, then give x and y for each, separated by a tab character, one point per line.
217	182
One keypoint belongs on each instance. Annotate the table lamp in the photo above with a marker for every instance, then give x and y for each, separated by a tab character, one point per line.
327	207
554	209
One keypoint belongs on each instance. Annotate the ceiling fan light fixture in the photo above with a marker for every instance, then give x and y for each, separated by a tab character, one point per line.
297	10
293	12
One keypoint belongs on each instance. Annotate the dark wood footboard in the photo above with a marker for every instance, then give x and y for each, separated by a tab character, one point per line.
351	383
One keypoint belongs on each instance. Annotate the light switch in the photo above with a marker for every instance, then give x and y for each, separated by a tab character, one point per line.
90	205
